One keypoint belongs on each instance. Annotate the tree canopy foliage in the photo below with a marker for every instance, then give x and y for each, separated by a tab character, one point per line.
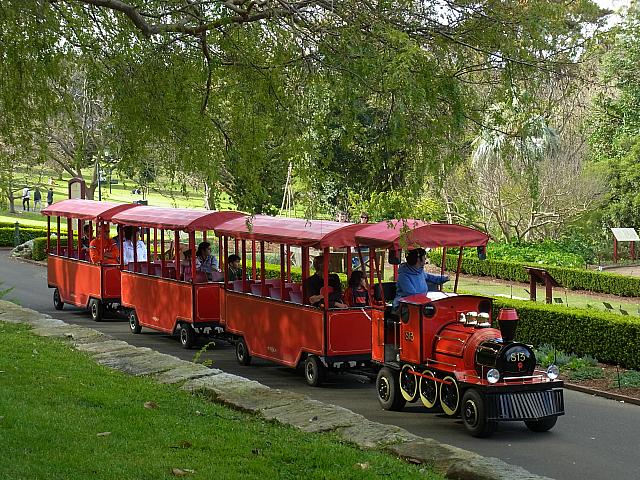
615	132
369	96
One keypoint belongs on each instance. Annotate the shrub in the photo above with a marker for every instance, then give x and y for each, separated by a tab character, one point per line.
40	246
586	373
630	379
608	337
7	235
571	278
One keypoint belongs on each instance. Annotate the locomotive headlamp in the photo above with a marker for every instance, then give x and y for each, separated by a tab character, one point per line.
553	372
493	375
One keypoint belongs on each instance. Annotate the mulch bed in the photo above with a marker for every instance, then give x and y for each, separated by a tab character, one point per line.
608	383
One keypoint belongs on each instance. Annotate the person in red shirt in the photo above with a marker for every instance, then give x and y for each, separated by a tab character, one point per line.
357	293
102	249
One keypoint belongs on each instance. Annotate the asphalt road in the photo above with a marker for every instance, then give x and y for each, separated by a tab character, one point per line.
596	439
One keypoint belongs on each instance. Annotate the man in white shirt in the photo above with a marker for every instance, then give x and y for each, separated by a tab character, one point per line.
26	196
127	247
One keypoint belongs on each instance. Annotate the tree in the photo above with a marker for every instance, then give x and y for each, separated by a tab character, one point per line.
615	121
235	89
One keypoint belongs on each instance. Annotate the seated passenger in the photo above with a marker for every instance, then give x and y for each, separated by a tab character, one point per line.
102	249
357	293
86	237
412	279
185	263
127	247
235	270
205	262
336	299
315	282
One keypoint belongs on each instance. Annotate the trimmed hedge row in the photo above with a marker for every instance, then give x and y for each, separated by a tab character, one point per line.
608	337
273	271
7	235
571	278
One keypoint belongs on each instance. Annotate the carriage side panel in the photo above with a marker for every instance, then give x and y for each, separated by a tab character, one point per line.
77	281
159	303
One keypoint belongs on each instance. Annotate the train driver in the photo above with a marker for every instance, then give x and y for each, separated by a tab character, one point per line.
102	249
412	279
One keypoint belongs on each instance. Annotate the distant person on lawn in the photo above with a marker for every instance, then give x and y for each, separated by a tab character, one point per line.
26	198
37	199
49	196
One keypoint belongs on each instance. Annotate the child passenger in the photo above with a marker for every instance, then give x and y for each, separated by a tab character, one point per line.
336	299
357	293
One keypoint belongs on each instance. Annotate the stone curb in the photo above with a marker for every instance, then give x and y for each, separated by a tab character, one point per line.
282	406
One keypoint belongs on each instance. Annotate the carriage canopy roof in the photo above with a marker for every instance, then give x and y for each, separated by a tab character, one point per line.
86	209
188	220
292	231
414	233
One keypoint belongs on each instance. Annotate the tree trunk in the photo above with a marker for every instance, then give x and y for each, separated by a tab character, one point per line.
210	196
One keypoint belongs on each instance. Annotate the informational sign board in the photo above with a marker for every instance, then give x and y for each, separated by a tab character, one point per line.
625	234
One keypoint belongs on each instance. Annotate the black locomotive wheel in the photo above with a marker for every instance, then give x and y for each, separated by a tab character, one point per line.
408	383
428	388
543	425
134	324
58	304
449	396
474	414
315	372
187	336
242	352
387	387
96	309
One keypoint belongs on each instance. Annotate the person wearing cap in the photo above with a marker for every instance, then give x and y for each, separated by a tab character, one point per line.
412	279
102	249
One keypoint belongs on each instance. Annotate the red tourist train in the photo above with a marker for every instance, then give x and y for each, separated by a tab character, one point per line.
439	348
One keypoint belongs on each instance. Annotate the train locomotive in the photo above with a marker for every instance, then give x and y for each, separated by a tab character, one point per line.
441	348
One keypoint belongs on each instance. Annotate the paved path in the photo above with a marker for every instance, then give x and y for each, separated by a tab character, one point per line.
597	439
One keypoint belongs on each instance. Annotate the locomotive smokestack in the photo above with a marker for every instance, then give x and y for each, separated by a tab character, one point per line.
508	321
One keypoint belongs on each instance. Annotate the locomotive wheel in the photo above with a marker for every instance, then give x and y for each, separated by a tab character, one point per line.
474	414
449	396
408	383
96	309
58	304
242	352
428	390
134	324
187	336
543	425
314	371
388	395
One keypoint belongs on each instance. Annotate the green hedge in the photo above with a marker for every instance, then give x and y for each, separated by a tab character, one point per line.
572	278
40	245
608	337
273	271
26	233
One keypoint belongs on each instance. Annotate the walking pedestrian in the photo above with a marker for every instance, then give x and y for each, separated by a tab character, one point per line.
37	199
50	196
26	198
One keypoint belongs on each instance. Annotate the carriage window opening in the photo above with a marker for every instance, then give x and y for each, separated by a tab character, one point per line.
484	306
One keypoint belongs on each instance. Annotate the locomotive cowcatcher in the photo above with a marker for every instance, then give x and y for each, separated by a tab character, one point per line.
441	348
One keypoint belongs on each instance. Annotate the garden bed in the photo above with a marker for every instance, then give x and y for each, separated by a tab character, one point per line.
608	382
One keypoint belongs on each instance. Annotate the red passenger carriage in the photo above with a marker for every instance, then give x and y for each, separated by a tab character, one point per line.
75	279
271	318
159	295
440	348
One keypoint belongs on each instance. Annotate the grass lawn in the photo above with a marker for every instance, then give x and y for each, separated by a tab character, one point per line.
57	405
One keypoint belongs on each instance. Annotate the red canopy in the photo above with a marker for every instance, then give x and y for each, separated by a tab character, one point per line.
184	219
86	209
292	231
413	233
